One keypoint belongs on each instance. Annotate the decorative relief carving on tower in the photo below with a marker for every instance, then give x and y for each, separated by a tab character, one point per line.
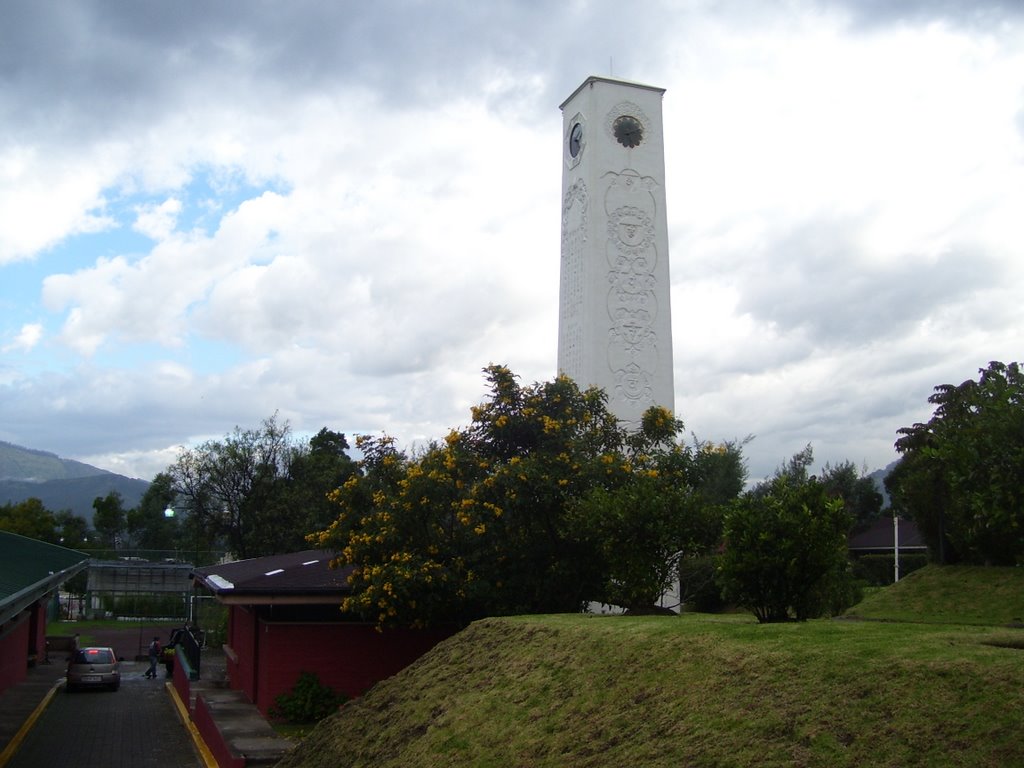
632	304
574	238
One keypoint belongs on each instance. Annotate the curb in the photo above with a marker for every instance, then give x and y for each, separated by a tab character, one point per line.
19	737
204	751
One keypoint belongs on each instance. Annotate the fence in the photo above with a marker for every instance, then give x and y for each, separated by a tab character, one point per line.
130	589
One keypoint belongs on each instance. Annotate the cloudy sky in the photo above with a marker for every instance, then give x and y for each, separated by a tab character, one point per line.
341	212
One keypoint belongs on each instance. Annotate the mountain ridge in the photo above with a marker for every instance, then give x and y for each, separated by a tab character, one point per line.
33	465
61	484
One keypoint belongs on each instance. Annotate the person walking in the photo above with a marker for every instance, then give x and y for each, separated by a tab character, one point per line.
154	657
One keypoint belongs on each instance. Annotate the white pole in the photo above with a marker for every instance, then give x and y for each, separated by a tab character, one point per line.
896	548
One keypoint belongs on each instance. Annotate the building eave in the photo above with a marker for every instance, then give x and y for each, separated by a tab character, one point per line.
19	601
615	80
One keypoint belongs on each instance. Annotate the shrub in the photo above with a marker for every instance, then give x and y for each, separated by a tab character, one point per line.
308	702
785	553
145	605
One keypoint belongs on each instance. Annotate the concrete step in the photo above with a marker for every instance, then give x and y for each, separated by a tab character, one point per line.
208	689
259	751
243	729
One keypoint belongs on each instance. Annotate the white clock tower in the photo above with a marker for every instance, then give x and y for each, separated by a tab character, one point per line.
614	323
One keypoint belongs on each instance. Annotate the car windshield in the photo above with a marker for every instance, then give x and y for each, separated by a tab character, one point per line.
94	656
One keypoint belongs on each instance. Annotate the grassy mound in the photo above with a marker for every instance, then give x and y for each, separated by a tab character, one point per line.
694	690
950	595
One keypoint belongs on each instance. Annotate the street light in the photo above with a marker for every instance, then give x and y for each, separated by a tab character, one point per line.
169	515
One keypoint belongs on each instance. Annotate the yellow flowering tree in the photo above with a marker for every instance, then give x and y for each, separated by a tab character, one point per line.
548	444
406	532
484	523
643	529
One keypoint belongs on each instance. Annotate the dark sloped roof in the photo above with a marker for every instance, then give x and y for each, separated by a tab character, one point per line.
30	568
305	575
879	535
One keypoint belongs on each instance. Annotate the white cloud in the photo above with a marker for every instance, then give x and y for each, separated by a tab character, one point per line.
348	222
46	196
158	221
27	338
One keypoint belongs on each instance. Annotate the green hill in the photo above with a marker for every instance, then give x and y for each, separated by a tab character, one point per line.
61	484
17	463
696	690
950	595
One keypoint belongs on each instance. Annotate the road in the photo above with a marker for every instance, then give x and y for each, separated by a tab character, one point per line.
136	726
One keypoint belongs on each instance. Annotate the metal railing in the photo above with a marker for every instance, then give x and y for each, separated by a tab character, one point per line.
192	647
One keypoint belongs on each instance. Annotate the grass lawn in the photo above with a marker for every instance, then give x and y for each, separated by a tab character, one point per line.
950	595
87	629
697	690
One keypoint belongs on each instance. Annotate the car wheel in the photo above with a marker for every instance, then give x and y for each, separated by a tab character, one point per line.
115	686
69	688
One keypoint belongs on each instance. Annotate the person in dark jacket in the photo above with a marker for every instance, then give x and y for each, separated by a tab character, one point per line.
154	657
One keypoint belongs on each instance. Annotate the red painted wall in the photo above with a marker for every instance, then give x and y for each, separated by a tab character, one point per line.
181	683
241	640
14	653
215	742
37	630
349	658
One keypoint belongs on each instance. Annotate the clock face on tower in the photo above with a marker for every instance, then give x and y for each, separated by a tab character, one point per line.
628	131
575	140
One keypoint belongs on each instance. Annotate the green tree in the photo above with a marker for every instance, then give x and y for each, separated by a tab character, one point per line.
109	518
299	503
495	520
147	524
719	471
857	490
477	524
796	471
258	491
961	474
642	531
228	487
543	447
72	530
29	518
785	548
718	474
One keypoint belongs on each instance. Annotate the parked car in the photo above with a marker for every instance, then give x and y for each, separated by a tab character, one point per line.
93	667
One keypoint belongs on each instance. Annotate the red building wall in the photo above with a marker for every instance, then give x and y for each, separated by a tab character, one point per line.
14	653
348	657
215	741
241	659
181	682
37	630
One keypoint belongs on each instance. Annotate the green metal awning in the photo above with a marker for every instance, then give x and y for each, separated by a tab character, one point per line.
30	569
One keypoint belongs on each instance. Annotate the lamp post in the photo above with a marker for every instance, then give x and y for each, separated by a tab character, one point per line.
895	548
169	515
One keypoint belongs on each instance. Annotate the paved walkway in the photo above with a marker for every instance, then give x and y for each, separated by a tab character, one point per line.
136	726
18	702
42	726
